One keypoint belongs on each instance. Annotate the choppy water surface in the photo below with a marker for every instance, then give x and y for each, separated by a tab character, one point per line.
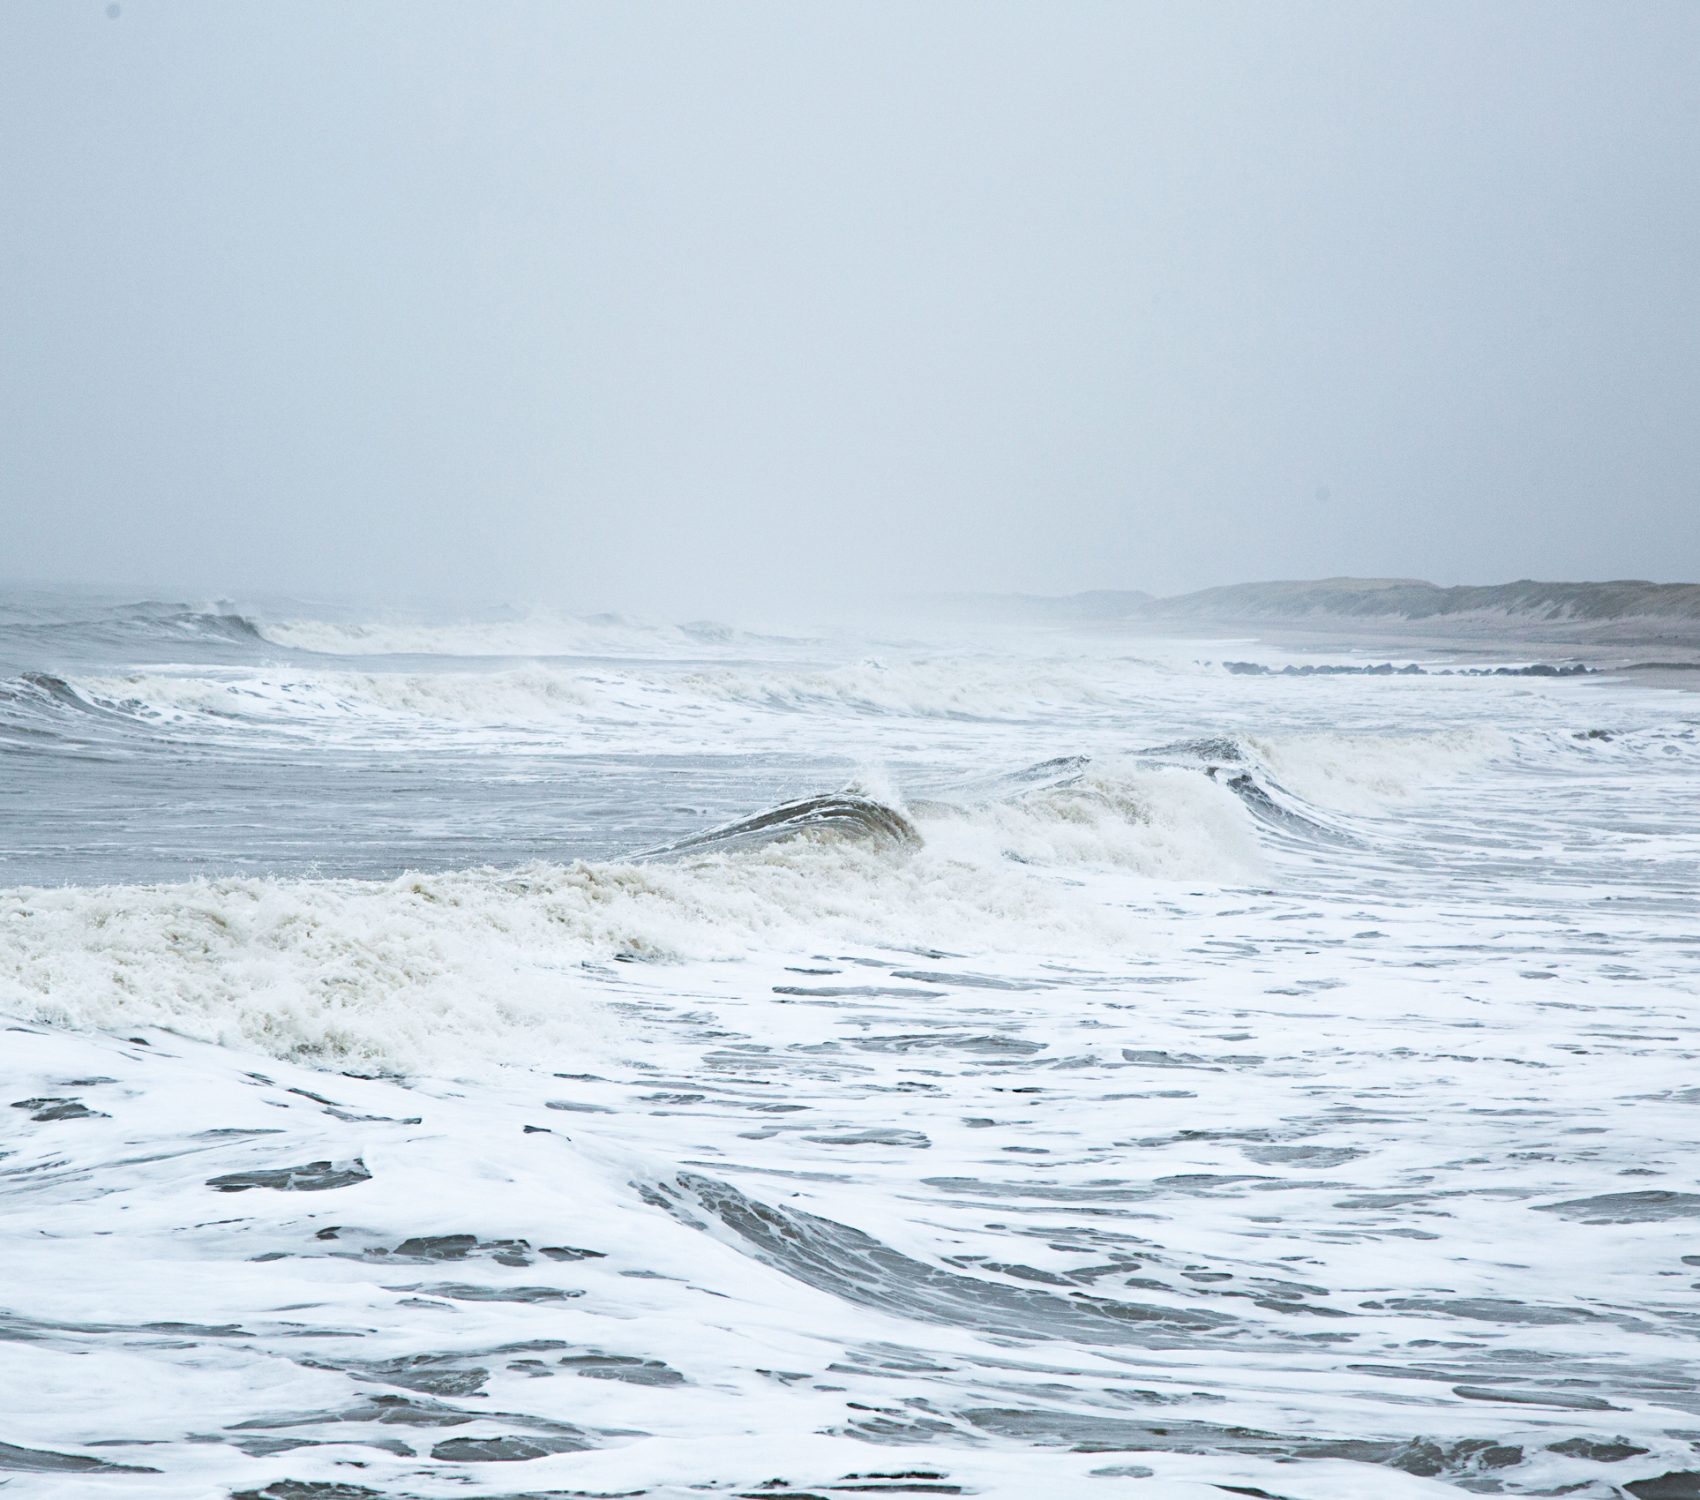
584	1058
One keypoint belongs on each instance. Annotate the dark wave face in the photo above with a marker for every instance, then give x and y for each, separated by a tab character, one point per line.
837	814
535	1054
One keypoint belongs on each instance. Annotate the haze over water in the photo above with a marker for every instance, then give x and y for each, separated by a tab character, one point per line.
660	834
732	309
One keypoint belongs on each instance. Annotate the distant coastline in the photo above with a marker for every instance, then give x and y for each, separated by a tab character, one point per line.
1614	613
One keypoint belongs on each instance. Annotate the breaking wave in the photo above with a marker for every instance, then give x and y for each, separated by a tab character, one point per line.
1364	773
42	711
1310	788
57	624
1165	822
537	693
540	694
529	694
484	965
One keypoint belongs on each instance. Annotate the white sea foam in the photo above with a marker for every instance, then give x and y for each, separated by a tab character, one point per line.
530	694
1365	772
1162	1109
1163	823
926	686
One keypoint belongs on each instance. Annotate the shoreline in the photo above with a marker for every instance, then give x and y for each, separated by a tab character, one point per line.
1652	660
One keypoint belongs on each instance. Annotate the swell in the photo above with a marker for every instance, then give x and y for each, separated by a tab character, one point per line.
1067	1314
848	1263
220	702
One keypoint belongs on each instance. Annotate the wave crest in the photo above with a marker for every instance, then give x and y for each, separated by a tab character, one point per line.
1158	823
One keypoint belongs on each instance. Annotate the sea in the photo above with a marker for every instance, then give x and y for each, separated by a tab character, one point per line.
514	1053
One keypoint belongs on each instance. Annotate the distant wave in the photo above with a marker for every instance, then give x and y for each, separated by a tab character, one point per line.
57	623
1284	780
537	634
531	694
240	702
145	623
293	693
150	616
948	687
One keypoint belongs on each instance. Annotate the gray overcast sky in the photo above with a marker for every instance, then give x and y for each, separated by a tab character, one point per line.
658	304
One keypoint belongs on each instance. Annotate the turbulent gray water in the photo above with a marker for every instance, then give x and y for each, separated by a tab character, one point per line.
544	1056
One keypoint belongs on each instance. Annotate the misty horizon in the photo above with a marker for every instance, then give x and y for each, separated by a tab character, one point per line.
669	308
